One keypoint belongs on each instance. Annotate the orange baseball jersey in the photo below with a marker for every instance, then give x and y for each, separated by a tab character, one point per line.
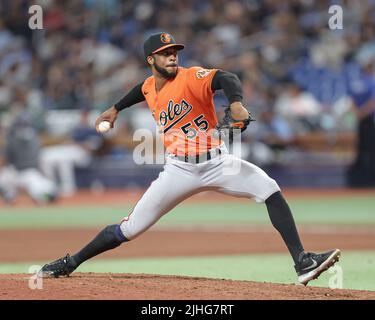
184	111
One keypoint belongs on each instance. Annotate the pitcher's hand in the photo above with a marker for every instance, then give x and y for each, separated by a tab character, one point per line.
109	115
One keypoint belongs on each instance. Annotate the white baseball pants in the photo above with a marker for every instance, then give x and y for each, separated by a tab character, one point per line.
179	180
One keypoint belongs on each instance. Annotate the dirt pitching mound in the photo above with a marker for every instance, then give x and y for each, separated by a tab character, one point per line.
156	287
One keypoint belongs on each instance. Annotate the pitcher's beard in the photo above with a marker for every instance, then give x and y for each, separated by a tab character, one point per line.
165	73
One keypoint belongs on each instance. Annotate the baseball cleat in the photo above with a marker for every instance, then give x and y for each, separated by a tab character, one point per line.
60	267
312	265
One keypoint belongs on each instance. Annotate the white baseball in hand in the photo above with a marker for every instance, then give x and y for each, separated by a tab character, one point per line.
104	126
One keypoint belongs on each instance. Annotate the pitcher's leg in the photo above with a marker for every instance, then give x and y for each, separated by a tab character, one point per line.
162	196
283	221
253	182
171	187
246	180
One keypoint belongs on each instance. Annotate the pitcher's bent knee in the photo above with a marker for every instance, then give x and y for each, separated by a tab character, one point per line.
117	232
131	229
269	187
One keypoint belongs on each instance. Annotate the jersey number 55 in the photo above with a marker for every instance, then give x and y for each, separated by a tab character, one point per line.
191	132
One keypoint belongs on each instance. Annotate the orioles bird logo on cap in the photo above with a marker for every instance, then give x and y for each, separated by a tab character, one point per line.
165	38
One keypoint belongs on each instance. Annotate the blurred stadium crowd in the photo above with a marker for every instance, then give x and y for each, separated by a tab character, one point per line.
299	77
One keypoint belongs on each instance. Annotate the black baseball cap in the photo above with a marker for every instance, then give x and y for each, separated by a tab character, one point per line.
158	42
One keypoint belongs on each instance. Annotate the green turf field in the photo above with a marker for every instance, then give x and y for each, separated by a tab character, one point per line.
358	268
355	210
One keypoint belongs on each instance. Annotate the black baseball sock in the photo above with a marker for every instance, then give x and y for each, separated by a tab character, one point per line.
109	238
282	219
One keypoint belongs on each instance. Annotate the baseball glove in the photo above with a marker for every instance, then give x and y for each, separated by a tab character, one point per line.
231	126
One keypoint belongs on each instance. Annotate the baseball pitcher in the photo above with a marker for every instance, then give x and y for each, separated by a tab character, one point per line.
181	102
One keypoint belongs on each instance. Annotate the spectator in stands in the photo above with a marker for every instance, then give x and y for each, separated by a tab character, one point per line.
299	107
362	91
78	151
87	55
19	164
271	136
274	130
